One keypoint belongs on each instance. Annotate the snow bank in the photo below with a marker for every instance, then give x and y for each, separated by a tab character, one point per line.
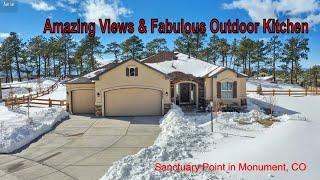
178	138
16	130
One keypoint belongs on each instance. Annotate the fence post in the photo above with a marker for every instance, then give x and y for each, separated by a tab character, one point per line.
289	92
50	103
306	92
273	92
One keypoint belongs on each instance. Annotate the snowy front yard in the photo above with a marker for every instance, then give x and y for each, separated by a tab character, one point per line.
16	130
22	88
186	142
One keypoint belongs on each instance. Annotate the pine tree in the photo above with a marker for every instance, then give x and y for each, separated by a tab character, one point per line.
295	49
233	53
36	45
115	49
132	48
155	46
183	44
223	50
198	43
274	49
259	56
213	55
68	45
93	48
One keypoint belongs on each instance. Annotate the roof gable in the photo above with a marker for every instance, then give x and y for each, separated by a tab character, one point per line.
124	62
218	71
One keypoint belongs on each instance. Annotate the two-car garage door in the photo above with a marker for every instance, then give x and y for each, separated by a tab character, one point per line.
133	102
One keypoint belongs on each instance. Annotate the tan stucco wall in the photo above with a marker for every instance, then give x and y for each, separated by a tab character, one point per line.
229	75
73	87
208	88
117	79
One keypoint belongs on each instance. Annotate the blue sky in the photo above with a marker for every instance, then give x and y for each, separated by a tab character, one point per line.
29	16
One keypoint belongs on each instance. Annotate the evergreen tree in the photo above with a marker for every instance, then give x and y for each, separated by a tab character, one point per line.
132	48
213	55
115	49
36	50
68	46
155	46
223	50
295	49
183	44
233	53
259	55
274	49
93	48
198	43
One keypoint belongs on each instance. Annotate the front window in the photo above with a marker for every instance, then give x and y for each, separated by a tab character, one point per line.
226	90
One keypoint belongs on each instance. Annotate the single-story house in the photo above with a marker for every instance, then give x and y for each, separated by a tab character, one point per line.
149	86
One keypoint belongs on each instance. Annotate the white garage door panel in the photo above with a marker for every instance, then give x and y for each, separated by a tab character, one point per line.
133	102
83	101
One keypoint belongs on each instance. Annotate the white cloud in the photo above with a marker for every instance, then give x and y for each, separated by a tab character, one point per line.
100	9
257	9
4	35
66	6
42	6
91	10
313	19
294	9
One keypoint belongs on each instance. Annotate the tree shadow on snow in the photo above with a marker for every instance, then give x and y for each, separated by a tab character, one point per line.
278	110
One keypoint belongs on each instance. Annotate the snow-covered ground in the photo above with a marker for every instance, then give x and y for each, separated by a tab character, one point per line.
178	138
16	130
186	139
291	141
58	94
21	88
252	84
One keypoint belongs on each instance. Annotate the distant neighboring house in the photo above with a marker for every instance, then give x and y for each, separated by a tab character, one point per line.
150	86
263	74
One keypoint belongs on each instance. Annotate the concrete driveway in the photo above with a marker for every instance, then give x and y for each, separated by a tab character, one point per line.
82	147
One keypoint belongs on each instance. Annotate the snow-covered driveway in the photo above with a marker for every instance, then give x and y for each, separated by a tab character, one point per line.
82	147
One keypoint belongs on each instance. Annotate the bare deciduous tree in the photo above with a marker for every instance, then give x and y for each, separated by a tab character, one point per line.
271	101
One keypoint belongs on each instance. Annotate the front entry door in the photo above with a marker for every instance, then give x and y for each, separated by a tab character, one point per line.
185	93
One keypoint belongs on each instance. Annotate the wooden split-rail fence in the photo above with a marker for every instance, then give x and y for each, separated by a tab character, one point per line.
287	92
33	98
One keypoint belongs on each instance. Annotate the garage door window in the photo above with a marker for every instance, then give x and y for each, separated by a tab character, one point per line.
132	71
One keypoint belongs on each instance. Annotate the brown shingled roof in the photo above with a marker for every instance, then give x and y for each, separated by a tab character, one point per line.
160	57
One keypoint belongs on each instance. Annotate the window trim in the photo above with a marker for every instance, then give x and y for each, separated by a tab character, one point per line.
132	69
228	91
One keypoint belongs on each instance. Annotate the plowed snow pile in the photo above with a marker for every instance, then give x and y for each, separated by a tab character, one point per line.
178	138
16	130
